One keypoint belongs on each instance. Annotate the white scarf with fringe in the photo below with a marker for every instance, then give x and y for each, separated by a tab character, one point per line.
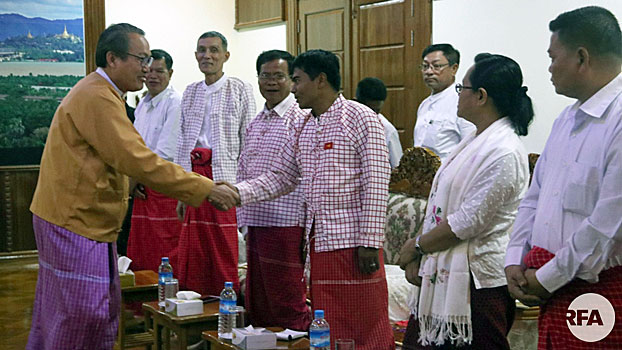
443	302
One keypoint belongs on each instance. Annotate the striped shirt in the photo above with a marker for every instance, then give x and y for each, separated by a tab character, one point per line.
265	138
342	160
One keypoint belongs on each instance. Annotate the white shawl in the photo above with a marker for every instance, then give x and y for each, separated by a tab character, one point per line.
443	303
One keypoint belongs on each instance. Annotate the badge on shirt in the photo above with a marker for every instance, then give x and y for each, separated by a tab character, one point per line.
328	145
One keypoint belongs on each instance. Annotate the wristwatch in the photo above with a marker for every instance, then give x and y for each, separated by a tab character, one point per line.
418	247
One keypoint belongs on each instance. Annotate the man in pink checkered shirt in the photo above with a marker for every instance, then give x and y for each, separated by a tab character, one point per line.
339	156
275	229
214	115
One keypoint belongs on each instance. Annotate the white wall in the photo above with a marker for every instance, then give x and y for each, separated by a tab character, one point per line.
175	26
518	29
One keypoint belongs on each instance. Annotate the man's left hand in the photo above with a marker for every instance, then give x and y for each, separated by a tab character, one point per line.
368	260
533	285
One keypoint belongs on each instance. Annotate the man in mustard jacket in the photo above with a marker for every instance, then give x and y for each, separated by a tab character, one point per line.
82	194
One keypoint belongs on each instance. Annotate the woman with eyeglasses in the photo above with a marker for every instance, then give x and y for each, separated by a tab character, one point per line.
462	300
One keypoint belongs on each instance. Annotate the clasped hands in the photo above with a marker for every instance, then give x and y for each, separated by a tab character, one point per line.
223	196
524	286
409	262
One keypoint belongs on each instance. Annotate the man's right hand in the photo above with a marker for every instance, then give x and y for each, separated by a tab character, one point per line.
412	273
517	284
224	196
181	210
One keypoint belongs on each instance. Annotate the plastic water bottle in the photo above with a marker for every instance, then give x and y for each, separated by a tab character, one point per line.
165	273
319	332
226	312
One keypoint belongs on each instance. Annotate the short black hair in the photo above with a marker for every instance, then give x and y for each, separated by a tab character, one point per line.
371	89
158	54
452	55
502	79
115	38
272	55
314	62
592	27
214	34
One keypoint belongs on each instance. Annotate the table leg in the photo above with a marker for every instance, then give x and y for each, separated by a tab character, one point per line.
157	337
121	336
148	325
167	337
183	338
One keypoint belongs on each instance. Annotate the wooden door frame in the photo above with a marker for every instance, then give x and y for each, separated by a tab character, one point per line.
94	25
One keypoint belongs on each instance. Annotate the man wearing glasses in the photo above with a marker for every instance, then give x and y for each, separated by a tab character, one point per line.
438	126
155	229
275	229
82	193
214	115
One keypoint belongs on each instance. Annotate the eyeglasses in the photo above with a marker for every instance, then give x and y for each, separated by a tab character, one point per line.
460	87
280	77
435	67
144	61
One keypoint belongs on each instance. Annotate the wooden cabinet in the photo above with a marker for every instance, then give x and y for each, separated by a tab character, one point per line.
17	186
251	13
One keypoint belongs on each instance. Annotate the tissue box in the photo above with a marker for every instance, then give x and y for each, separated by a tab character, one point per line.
180	307
253	341
127	279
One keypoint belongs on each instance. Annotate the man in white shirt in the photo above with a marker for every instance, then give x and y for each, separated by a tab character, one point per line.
155	229
214	114
372	92
567	238
438	126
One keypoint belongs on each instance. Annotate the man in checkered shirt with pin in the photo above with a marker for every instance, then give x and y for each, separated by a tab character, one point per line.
339	156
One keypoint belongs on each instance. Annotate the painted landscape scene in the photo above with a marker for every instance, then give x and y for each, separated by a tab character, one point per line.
41	58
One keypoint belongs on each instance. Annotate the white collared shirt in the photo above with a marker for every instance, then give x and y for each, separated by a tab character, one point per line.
157	121
205	136
101	72
574	205
393	141
438	126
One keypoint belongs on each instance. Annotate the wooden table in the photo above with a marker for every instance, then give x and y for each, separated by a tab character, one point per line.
146	289
222	344
182	326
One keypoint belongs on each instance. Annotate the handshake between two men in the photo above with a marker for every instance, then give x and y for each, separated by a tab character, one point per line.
223	196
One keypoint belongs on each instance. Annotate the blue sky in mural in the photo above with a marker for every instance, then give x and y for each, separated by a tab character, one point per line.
50	9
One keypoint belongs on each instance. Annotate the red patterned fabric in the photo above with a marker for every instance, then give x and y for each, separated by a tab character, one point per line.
207	255
553	332
355	305
275	289
154	231
492	316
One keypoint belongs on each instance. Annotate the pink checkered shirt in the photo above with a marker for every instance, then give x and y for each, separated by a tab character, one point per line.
230	108
343	161
265	138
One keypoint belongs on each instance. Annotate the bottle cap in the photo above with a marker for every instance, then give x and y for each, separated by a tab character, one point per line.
228	284
319	313
165	259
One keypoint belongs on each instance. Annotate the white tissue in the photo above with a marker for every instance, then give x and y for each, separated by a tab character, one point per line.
286	334
250	330
123	263
188	295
